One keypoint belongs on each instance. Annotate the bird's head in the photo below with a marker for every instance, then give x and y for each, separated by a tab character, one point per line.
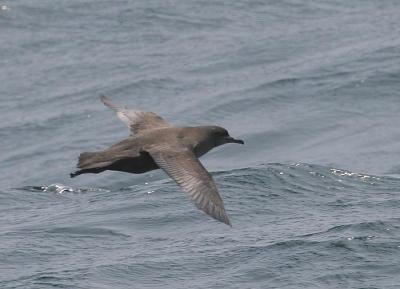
221	136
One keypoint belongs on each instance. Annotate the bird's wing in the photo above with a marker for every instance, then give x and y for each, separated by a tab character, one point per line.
136	120
180	163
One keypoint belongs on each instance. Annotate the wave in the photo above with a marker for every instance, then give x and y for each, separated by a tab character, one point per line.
302	176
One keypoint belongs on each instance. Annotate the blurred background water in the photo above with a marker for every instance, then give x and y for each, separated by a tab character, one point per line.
311	86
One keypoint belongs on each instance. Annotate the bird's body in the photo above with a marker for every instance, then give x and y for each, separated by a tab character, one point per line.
155	144
129	155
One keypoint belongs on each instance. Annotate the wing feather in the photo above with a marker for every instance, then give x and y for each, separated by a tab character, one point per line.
135	120
180	163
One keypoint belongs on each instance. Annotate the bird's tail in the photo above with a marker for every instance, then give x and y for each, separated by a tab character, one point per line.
88	159
90	162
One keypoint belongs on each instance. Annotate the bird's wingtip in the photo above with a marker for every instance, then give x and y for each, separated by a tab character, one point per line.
107	102
228	222
223	218
103	98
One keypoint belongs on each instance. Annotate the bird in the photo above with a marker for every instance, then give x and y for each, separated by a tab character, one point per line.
153	144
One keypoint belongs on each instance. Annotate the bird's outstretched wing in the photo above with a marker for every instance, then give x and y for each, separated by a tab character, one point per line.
136	120
180	163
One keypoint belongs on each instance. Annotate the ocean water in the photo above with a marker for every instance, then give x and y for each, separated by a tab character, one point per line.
313	88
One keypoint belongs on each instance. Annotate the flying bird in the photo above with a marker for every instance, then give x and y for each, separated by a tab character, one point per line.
153	144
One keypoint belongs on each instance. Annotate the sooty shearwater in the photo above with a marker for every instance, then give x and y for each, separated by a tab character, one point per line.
155	144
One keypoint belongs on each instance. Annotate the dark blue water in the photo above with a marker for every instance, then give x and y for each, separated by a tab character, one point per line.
313	87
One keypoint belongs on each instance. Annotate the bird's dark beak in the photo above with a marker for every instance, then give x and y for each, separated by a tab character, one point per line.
230	139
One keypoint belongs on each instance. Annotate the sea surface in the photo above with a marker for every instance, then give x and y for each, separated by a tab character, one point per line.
312	87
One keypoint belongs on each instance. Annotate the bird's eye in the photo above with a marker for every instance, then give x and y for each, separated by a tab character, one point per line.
222	133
